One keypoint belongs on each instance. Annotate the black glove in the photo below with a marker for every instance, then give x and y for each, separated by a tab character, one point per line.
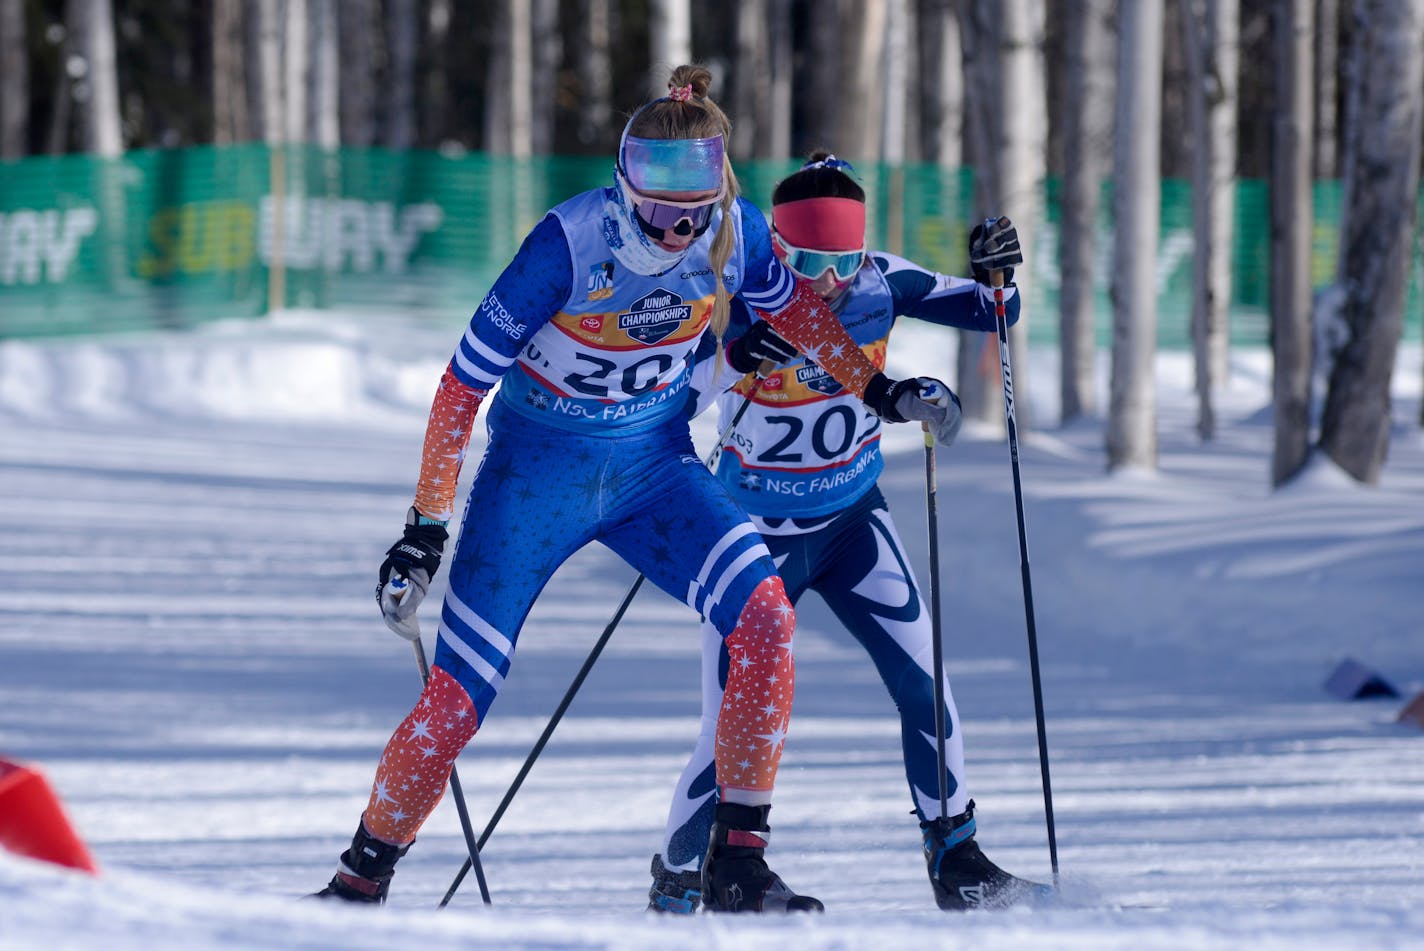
759	343
922	399
405	574
994	246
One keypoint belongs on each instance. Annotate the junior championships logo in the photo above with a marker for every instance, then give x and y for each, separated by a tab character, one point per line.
654	317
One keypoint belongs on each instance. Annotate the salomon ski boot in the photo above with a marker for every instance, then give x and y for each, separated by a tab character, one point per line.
962	875
363	874
674	892
735	876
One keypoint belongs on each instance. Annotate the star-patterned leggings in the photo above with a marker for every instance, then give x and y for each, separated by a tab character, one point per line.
856	562
540	495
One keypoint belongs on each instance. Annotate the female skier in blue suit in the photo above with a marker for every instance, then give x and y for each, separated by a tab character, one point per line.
591	330
804	463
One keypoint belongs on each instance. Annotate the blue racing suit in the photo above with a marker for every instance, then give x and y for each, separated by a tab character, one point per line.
804	461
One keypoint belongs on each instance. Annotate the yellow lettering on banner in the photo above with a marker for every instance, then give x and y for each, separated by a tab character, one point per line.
199	238
236	230
162	236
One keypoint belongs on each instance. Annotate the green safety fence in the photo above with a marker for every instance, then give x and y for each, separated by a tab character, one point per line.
174	238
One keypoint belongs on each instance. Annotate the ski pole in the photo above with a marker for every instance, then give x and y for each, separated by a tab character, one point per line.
712	461
996	280
936	638
459	794
544	737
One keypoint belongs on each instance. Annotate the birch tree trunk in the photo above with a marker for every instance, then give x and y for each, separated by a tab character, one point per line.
909	74
14	81
403	33
778	137
1325	150
358	26
828	80
269	31
976	371
750	81
508	129
1292	222
1355	65
268	23
57	135
858	112
1023	170
1008	147
431	112
895	95
1137	187
1087	127
760	92
1213	60
942	98
547	50
230	119
670	37
497	73
1384	186
595	72
325	115
93	26
296	70
521	65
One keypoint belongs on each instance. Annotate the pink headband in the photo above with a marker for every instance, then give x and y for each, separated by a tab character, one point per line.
821	224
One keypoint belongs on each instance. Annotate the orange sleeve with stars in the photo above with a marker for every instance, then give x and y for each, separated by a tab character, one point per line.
447	434
818	333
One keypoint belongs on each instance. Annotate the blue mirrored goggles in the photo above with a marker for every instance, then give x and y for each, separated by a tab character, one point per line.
658	216
671	165
811	264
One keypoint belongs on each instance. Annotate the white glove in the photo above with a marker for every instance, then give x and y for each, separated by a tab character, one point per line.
399	598
925	399
405	574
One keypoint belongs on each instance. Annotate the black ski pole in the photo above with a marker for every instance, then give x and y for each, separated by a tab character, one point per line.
996	279
936	638
712	460
544	737
459	794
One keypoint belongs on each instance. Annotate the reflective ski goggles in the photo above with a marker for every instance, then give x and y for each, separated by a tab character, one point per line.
811	264
658	216
671	165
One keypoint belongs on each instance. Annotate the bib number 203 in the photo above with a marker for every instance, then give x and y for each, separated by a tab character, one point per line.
830	436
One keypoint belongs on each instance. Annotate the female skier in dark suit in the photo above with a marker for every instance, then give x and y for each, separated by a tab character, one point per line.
804	463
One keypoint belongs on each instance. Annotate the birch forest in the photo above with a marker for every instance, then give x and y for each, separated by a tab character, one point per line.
1106	98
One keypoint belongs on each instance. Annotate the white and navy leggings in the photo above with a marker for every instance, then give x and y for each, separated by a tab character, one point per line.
855	561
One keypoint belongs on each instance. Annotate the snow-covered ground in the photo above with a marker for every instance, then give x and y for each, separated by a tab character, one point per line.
189	531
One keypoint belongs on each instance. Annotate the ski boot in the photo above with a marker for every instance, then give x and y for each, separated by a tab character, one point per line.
363	874
962	876
735	876
674	892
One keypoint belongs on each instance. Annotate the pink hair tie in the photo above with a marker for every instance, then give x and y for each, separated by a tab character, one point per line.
680	93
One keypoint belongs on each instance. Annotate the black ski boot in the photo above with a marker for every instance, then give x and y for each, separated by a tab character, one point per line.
364	871
962	875
674	892
735	876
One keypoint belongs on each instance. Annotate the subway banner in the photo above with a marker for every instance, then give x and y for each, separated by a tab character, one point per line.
163	239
